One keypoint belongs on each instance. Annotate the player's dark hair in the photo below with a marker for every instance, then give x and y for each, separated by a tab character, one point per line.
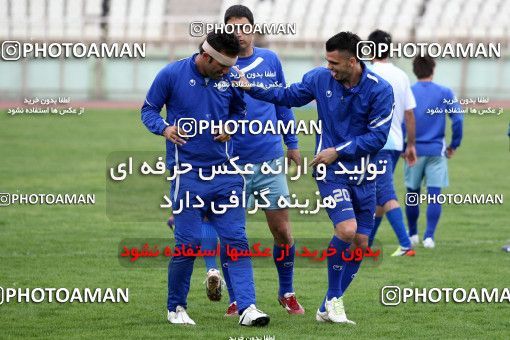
423	67
238	11
344	42
379	38
226	43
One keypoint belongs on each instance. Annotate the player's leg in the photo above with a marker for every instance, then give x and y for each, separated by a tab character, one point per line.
413	178
332	308
278	222
280	227
433	215
248	189
187	231
387	203
436	173
232	307
230	227
209	243
213	281
344	222
363	201
379	211
379	214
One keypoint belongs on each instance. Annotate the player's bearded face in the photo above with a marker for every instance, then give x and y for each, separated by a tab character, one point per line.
340	64
214	69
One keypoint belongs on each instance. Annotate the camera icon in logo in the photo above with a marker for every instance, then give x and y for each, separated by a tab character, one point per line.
5	199
197	29
391	295
412	199
11	50
187	127
365	50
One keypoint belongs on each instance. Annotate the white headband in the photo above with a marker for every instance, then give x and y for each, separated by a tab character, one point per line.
221	58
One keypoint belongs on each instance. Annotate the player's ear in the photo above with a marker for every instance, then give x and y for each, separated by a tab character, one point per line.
207	57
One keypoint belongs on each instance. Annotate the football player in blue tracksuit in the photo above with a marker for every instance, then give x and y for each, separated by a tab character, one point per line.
356	108
262	66
197	89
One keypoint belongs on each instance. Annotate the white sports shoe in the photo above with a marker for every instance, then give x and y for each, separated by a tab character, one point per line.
414	240
180	317
335	312
429	243
253	317
213	284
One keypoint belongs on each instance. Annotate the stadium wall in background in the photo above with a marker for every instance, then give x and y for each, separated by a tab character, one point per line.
165	26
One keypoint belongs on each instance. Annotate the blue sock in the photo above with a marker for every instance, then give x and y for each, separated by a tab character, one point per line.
396	219
285	268
433	213
335	268
226	276
209	242
371	238
412	213
348	274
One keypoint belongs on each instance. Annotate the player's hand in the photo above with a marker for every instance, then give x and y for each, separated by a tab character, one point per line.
410	155
242	83
450	152
224	137
175	135
326	156
293	155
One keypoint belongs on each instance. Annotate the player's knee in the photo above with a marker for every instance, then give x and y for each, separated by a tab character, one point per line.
282	235
390	205
346	230
278	222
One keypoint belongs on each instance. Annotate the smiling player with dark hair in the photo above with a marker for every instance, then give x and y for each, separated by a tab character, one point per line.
355	107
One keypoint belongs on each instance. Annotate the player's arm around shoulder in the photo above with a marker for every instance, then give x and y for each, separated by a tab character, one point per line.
295	95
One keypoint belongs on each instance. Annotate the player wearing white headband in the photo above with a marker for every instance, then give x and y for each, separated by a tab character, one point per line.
195	89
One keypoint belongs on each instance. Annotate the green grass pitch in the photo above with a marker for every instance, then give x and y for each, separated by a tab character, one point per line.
77	246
